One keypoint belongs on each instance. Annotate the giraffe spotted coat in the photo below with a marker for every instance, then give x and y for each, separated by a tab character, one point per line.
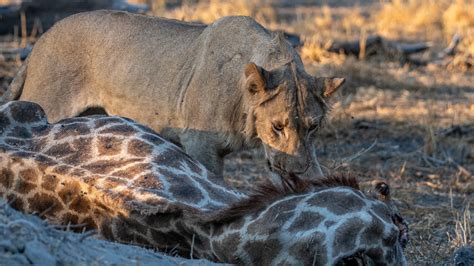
116	176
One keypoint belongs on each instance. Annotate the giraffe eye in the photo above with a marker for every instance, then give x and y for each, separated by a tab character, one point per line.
313	127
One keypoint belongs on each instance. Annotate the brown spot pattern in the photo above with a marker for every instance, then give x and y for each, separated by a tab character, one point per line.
106	166
106	230
15	202
23	187
139	148
40	131
49	182
69	218
346	235
306	221
70	130
26	112
109	145
80	204
89	223
112	182
169	239
60	150
133	171
4	122
20	132
149	181
69	191
312	250
124	130
6	178
122	230
15	142
61	169
43	162
28	175
184	192
44	204
82	151
262	252
277	215
345	202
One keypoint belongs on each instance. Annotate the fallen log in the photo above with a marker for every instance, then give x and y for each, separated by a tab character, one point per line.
376	45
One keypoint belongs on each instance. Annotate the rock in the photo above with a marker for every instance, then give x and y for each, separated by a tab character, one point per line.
25	240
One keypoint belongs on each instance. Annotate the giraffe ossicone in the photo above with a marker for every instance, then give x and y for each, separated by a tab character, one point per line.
121	178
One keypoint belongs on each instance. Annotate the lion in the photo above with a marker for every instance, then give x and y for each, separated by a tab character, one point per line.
212	89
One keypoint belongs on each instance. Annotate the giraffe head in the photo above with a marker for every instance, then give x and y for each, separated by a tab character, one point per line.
323	222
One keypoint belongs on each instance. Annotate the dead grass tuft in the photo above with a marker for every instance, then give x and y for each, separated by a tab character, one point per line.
314	51
210	11
435	20
397	18
459	18
463	229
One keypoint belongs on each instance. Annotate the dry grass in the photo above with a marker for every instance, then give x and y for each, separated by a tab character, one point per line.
316	52
410	18
433	20
463	231
209	11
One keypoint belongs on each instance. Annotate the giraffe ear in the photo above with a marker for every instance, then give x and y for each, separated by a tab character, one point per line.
327	86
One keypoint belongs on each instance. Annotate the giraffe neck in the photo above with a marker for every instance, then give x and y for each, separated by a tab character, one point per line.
303	229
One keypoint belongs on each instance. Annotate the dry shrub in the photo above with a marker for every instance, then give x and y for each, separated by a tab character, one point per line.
463	231
325	19
209	11
410	17
414	17
314	51
354	22
459	19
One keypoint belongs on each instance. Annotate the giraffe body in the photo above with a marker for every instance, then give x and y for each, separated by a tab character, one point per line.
116	176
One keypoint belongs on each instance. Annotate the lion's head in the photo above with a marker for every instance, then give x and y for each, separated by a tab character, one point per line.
288	108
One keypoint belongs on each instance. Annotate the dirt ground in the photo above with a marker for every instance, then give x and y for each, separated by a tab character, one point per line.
411	125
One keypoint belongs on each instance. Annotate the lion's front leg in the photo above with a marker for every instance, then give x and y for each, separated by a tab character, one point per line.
203	146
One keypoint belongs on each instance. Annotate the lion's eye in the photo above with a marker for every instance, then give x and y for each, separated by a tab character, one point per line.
278	127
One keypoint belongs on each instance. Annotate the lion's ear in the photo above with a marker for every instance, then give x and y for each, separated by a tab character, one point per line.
256	78
327	86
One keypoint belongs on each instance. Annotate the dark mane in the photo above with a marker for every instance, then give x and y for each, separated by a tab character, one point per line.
268	192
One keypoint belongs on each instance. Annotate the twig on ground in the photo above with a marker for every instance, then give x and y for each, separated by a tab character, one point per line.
349	159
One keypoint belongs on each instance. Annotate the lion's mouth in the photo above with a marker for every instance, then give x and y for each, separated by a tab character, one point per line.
278	169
